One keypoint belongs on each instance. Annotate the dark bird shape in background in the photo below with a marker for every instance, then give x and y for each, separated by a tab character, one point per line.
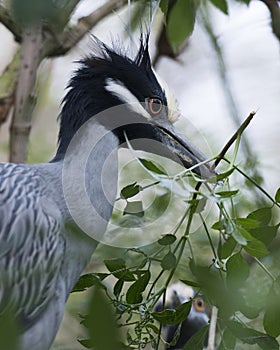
43	249
177	294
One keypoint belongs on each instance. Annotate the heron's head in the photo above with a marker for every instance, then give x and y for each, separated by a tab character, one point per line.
108	78
177	294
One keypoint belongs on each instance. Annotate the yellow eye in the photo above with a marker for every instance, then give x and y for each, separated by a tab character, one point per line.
154	105
199	304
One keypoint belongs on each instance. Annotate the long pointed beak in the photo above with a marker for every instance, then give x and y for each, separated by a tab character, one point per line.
182	150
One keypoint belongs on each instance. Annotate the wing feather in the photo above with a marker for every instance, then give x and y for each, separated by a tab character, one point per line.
31	242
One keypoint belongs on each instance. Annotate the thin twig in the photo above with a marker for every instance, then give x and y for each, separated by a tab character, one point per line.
212	329
254	183
265	269
73	34
240	130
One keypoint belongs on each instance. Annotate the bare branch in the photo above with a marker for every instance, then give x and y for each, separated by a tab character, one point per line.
240	130
72	35
21	123
212	329
35	47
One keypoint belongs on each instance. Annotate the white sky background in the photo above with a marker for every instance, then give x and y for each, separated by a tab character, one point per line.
251	53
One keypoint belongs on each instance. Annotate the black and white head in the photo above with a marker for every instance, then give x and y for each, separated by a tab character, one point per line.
177	294
108	78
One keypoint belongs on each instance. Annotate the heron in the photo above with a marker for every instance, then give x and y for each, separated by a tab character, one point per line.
46	222
176	294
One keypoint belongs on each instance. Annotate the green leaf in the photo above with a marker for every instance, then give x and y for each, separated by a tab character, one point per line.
251	336
153	327
238	234
165	316
118	287
197	341
224	175
237	270
213	286
118	268
247	222
277	196
180	22
256	248
169	261
226	249
191	283
271	322
265	234
134	292
221	5
218	225
197	205
86	343
263	215
176	335
130	190
227	194
101	322
228	340
88	280
164	6
148	164
245	233
167	239
9	331
134	208
247	2
171	316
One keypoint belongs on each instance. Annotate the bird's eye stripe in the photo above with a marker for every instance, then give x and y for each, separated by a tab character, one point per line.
119	90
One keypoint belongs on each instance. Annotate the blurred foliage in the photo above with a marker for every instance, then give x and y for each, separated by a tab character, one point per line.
235	246
180	17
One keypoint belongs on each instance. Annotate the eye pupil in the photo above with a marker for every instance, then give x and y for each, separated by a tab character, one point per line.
154	105
199	304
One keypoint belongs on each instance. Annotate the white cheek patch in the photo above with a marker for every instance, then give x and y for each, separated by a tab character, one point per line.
118	89
172	103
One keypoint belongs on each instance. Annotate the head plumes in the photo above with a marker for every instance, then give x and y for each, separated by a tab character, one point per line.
106	78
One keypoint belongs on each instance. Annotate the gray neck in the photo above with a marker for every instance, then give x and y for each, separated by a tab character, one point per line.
86	192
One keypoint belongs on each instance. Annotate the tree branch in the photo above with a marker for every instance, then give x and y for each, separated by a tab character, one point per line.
38	42
24	102
240	130
212	329
72	35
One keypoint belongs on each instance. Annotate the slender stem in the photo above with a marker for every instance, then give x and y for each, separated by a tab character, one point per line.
212	328
254	183
189	170
208	236
265	269
235	136
181	221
